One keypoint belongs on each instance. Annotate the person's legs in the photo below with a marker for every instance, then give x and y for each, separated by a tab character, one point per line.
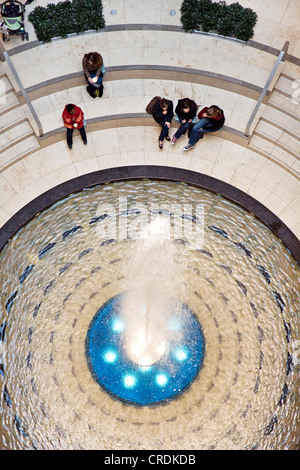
98	87
70	137
100	90
83	134
164	132
182	129
91	90
196	132
207	130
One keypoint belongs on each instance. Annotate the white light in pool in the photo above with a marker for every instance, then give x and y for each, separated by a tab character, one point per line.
181	354
117	325
145	351
110	356
129	381
161	379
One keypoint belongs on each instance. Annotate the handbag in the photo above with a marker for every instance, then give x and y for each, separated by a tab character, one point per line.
149	107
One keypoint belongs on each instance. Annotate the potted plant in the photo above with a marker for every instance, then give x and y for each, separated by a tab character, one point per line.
69	17
232	20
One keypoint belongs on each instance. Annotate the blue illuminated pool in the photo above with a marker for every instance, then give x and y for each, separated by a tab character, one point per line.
140	385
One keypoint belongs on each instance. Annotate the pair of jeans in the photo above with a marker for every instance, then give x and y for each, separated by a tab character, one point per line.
92	87
182	129
164	128
70	135
205	125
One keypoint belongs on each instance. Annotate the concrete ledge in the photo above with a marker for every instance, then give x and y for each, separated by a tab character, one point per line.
133	119
201	77
158	27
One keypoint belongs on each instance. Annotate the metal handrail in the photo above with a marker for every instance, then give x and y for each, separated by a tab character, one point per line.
23	91
265	89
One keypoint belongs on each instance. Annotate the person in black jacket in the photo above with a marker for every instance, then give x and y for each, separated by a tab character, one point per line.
186	110
163	115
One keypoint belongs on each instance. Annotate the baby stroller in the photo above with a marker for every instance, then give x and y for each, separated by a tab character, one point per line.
12	13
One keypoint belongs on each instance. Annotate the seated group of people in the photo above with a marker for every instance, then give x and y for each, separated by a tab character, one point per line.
210	119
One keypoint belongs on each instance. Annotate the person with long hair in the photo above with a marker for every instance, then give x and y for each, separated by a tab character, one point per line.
186	110
211	119
163	115
94	70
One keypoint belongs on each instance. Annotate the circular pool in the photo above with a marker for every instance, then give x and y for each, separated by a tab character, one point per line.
64	270
170	366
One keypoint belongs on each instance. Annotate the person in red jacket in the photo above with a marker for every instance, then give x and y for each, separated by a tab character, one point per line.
211	119
73	119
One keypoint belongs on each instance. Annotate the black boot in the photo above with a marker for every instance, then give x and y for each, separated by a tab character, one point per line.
91	91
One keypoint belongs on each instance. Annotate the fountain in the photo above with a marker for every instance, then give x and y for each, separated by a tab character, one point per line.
154	280
154	342
151	342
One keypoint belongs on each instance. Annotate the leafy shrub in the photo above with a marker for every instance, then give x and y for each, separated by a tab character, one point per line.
228	20
190	15
67	17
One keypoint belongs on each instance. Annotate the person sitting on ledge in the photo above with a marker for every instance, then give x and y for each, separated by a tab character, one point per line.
163	115
73	119
186	110
94	70
211	119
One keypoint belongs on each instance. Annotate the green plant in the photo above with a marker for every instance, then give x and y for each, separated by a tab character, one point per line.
228	20
190	15
210	13
67	17
236	21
